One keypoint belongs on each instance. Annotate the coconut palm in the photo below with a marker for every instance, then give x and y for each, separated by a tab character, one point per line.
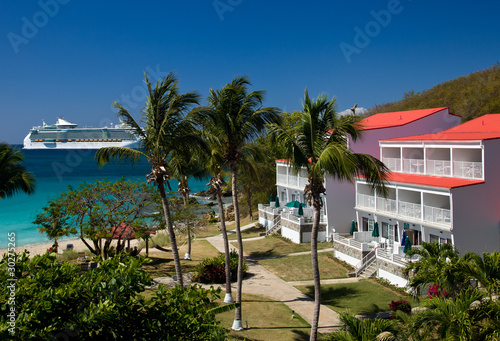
365	329
14	177
438	263
319	145
166	127
233	118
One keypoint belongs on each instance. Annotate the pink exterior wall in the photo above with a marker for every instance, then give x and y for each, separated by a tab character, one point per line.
341	196
476	209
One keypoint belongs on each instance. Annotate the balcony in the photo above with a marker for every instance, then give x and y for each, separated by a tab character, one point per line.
413	166
439	167
366	201
394	164
410	210
386	205
468	170
437	215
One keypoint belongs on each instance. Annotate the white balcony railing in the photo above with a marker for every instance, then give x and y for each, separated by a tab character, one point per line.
394	164
386	205
437	215
293	180
282	179
410	210
468	170
367	201
439	167
413	166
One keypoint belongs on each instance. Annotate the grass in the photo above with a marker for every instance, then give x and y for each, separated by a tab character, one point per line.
298	268
248	233
274	246
267	320
163	263
363	297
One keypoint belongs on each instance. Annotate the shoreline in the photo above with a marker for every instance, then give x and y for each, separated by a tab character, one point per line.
40	249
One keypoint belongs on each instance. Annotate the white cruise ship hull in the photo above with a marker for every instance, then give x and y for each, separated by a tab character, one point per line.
29	144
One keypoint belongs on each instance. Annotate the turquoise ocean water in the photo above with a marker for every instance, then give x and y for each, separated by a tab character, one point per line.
54	171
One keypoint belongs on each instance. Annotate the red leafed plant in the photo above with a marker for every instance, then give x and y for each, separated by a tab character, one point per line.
435	291
402	305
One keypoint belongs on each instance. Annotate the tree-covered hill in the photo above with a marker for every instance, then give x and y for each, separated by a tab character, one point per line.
469	96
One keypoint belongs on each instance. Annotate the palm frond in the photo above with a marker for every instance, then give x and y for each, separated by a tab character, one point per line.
121	154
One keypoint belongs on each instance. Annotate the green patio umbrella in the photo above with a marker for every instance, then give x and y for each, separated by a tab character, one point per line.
277	203
301	211
407	245
294	204
271	198
353	228
375	232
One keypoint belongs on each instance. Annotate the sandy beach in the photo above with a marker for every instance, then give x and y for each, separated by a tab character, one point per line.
40	249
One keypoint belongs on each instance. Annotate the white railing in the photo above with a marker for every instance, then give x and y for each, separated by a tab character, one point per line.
437	215
413	166
275	226
302	182
386	205
468	170
394	164
367	201
293	180
282	179
439	167
270	209
386	255
365	237
365	262
347	241
410	210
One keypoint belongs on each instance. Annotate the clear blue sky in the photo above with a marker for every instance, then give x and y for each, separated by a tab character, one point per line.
75	59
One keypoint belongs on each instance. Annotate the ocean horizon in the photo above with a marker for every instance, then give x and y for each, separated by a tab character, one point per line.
54	171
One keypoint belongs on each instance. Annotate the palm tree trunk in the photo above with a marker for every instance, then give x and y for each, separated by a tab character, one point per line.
315	268
188	242
171	233
237	324
229	295
249	203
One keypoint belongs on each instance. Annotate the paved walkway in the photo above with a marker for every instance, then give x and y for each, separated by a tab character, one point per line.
263	282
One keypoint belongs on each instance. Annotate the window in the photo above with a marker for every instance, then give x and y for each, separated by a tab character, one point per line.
385	230
364	226
370	225
433	238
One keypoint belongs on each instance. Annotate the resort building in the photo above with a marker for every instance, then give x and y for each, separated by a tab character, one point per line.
443	188
338	212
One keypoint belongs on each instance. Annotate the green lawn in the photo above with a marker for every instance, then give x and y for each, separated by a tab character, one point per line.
298	268
248	233
273	246
267	320
363	297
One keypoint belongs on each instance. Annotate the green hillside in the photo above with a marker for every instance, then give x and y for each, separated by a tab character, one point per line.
469	96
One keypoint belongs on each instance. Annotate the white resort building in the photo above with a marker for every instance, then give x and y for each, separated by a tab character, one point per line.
441	188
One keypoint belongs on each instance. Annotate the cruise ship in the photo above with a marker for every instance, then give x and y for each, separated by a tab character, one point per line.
66	135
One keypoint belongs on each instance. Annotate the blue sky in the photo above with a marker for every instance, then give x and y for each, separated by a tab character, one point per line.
74	58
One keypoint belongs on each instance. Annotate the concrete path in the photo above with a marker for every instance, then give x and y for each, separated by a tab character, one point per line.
262	282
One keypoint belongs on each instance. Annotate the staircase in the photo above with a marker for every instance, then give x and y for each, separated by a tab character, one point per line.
367	267
276	226
370	270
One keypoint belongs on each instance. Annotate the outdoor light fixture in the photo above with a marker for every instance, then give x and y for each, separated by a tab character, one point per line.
293	314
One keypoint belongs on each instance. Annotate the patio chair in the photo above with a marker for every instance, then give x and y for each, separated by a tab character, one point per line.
82	256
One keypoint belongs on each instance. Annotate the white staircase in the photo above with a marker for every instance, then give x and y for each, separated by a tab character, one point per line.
276	226
367	267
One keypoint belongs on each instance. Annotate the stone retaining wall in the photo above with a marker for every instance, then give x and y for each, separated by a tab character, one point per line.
390	267
347	250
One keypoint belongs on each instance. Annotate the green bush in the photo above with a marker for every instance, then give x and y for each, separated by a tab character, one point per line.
53	301
67	254
212	270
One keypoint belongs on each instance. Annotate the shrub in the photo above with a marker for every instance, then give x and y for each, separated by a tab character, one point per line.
67	254
435	291
212	270
402	305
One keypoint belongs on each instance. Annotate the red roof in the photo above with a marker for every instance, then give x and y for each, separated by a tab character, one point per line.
486	127
396	119
431	181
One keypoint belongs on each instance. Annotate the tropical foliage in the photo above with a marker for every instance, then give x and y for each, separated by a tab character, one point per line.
14	177
469	96
54	301
166	128
94	211
318	144
233	118
212	270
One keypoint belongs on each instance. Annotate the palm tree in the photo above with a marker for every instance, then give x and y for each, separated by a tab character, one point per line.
166	127
233	118
438	263
365	329
14	177
319	145
485	269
